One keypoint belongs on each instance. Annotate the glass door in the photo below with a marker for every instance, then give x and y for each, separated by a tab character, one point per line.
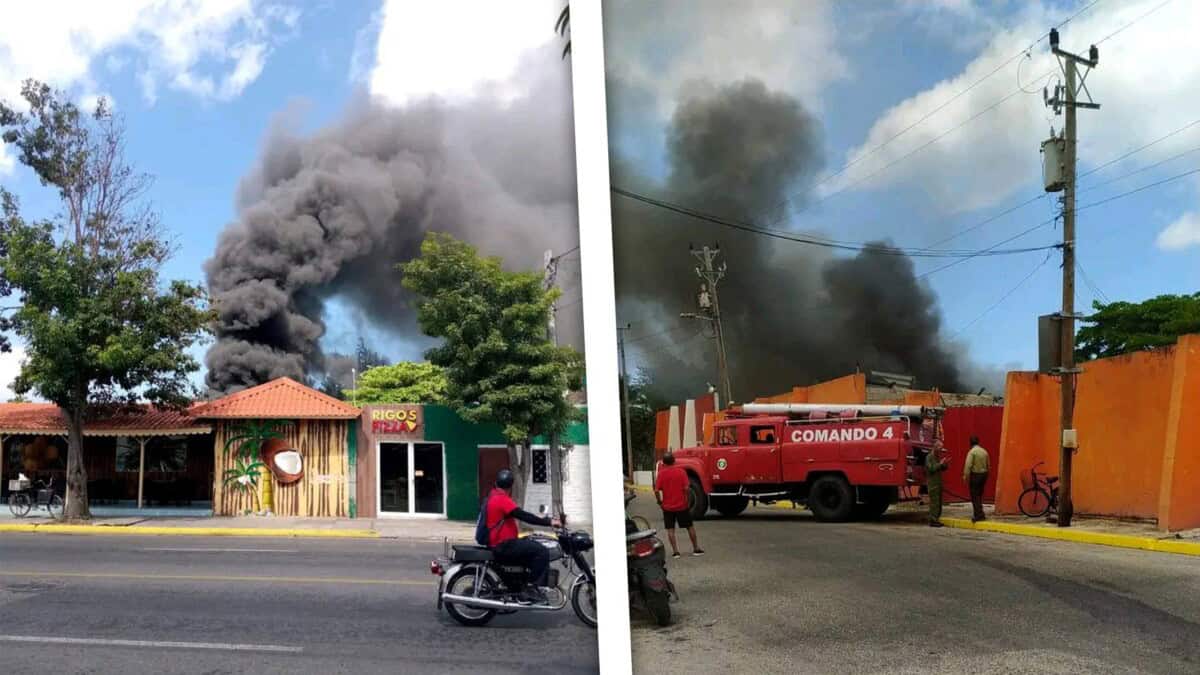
412	479
394	478
428	479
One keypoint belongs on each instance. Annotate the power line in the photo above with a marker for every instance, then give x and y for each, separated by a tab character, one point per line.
1089	188
1096	292
566	253
1019	89
1137	150
1123	176
919	148
817	241
936	110
1118	31
663	347
1052	220
1004	297
656	334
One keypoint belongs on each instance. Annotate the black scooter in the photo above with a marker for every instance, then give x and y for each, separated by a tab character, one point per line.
649	587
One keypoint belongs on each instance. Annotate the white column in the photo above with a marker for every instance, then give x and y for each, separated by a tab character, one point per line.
141	468
2	439
673	433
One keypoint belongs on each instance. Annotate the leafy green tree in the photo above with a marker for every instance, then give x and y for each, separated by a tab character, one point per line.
404	382
1123	327
98	324
644	403
499	363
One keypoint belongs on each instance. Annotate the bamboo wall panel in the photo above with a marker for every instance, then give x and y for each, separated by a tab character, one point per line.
323	492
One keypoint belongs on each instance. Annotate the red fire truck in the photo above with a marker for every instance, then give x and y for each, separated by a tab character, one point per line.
842	461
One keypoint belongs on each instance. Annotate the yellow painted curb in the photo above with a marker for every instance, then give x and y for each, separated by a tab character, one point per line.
136	530
1080	536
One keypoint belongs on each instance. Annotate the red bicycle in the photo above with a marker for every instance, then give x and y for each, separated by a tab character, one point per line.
1040	495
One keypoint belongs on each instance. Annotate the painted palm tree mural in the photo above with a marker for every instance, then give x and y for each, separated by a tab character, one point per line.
250	473
244	478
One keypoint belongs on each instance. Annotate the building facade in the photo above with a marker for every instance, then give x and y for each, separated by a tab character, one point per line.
324	457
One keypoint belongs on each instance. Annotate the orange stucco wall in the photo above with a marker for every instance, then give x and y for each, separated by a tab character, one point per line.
848	389
1179	506
1136	421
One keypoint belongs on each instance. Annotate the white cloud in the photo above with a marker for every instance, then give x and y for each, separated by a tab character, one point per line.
211	49
10	367
983	163
661	46
166	41
450	50
1181	234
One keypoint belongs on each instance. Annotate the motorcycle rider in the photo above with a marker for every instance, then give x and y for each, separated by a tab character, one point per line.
509	549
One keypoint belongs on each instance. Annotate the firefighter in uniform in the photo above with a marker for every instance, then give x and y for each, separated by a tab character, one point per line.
934	467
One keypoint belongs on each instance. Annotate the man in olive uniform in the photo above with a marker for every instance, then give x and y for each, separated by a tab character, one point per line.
934	466
975	473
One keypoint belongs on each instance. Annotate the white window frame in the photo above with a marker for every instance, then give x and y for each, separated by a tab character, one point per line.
410	447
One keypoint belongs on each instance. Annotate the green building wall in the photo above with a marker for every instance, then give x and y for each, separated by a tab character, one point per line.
461	441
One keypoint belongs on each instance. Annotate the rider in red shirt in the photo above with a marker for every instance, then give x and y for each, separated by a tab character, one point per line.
508	548
671	491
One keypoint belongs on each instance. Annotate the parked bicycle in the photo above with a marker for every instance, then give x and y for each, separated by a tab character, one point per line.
23	498
1040	497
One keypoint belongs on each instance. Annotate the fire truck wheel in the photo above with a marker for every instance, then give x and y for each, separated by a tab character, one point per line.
697	499
730	506
875	502
831	499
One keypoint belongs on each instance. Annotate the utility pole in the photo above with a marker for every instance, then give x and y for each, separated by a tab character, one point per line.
556	484
625	399
710	309
1067	97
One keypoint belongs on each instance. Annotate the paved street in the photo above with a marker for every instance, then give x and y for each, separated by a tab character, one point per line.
780	592
107	604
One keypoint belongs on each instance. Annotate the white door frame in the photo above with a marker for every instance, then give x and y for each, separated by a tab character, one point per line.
412	491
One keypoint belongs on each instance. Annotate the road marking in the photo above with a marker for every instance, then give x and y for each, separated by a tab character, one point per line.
189	577
151	643
224	550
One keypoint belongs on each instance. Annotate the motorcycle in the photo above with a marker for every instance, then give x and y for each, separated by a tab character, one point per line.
474	588
649	587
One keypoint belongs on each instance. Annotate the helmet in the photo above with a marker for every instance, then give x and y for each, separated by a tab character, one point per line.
504	479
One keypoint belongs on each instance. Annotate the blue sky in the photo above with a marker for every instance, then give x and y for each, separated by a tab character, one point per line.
867	74
199	84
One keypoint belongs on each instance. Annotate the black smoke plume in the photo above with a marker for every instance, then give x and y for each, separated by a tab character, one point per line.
330	214
793	313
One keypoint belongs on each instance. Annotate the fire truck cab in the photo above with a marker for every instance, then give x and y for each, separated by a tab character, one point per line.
841	461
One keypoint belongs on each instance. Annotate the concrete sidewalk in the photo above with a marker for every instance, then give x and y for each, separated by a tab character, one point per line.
251	526
1142	535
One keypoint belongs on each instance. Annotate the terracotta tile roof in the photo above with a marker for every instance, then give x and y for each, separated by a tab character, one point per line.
146	420
283	398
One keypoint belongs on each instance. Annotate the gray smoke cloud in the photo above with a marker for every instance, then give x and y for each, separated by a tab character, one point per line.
793	313
328	215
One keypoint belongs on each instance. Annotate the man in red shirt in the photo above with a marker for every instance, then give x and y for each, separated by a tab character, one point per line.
508	548
671	491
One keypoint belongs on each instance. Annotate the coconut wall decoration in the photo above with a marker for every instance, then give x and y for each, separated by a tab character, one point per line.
286	463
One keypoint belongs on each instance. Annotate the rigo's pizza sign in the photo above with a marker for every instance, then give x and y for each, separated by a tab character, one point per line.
406	420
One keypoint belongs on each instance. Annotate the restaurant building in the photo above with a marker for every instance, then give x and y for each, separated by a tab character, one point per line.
330	460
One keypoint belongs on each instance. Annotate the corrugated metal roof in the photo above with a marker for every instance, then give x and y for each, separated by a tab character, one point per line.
283	398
